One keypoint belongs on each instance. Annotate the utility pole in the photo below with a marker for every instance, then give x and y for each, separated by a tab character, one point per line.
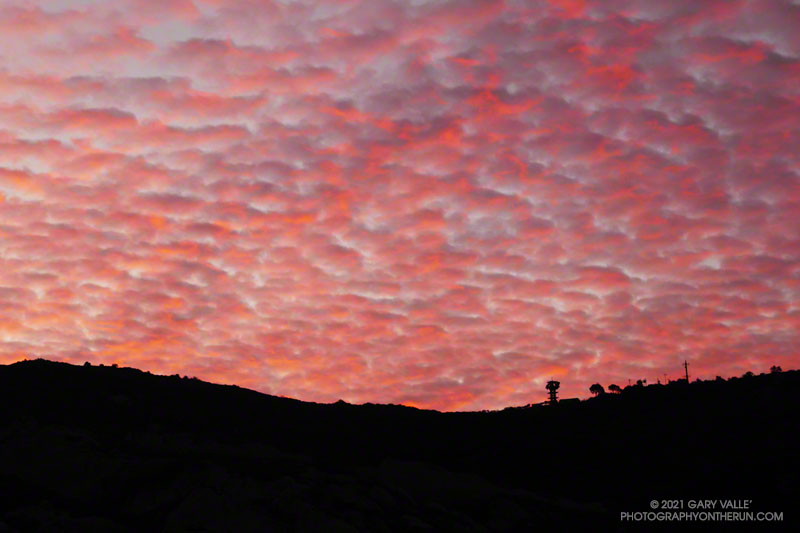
665	379
686	367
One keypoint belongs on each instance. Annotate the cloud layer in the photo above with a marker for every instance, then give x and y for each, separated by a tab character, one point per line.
436	203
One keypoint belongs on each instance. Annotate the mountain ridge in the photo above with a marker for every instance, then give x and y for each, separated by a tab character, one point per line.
160	451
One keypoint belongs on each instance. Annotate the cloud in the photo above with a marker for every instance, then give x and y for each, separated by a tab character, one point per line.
442	204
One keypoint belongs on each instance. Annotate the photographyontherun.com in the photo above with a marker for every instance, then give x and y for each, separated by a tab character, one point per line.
701	511
701	516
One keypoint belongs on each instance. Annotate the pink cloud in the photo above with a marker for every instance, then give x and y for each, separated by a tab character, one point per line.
439	204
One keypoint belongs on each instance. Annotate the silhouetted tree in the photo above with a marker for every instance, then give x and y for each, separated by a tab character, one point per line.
775	369
614	388
597	389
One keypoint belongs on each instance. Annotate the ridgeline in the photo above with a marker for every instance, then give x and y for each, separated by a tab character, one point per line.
99	448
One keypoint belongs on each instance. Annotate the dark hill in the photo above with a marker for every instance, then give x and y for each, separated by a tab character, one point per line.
99	448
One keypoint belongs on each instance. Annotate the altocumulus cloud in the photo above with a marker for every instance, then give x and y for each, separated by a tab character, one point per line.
437	203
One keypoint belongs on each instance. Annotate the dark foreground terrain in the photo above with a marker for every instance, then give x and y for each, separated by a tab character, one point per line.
88	448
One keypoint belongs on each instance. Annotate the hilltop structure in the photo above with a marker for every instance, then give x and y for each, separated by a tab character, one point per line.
552	387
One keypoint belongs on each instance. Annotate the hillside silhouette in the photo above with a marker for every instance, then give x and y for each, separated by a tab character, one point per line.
99	448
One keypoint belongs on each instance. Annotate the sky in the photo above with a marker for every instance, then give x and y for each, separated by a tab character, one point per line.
442	204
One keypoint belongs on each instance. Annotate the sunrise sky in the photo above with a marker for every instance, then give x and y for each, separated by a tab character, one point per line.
436	203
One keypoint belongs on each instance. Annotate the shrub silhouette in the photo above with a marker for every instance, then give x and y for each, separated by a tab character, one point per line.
597	389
